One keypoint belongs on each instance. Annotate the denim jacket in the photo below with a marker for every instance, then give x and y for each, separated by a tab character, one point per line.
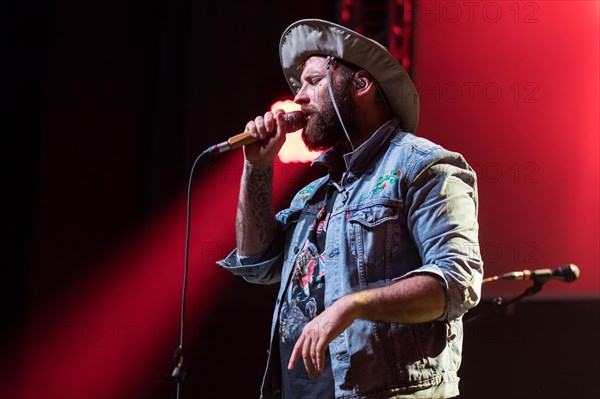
407	207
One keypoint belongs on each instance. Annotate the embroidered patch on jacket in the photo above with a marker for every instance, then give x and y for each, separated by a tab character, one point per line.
305	193
383	182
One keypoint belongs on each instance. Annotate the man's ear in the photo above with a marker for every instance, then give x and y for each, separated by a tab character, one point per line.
363	81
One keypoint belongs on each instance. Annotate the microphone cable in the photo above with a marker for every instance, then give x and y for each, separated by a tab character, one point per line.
297	121
179	371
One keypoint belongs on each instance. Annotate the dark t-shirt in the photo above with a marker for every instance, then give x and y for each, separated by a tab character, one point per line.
302	302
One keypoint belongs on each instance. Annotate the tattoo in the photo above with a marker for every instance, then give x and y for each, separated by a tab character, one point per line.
255	219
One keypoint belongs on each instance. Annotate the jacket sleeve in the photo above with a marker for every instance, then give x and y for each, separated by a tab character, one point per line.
264	268
441	204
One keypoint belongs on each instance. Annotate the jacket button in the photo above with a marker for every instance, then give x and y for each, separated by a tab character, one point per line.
296	249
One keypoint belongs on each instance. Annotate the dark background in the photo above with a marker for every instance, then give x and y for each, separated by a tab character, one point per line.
104	106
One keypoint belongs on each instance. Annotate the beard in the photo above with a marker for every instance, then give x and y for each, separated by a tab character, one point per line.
324	129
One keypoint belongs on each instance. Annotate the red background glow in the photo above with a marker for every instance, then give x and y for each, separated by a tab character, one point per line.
513	86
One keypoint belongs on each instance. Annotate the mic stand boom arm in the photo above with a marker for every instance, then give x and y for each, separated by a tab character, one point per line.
500	304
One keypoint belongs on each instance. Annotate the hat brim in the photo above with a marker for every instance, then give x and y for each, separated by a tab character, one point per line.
309	37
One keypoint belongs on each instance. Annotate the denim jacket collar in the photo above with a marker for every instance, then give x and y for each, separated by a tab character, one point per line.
358	160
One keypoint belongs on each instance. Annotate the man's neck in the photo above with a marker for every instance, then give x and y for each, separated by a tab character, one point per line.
363	131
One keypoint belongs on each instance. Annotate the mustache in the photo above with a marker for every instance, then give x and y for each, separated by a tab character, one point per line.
307	110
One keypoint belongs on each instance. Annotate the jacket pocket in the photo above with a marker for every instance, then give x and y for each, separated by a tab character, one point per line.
374	235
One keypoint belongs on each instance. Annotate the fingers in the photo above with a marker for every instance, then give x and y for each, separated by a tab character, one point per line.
320	348
307	356
264	126
296	352
311	346
281	122
256	127
269	130
314	355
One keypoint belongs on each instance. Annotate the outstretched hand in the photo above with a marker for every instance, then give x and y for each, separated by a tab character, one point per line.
317	335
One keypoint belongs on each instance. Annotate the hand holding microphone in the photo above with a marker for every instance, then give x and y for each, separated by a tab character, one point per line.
261	128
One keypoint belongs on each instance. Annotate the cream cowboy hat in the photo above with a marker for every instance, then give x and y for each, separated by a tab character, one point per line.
308	37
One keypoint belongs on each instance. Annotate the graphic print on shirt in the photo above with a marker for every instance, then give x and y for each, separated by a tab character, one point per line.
305	294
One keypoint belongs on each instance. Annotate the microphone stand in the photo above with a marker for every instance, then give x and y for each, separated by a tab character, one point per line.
179	372
499	303
297	120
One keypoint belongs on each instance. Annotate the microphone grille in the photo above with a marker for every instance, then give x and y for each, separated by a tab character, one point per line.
575	271
295	120
569	272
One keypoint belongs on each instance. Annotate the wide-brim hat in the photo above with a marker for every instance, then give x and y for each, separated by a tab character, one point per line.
309	37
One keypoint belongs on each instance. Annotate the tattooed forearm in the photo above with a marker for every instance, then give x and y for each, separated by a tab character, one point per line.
255	219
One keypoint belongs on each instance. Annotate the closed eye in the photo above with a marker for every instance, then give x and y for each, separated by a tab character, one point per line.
313	80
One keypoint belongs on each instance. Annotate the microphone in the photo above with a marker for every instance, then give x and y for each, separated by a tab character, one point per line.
567	273
295	120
